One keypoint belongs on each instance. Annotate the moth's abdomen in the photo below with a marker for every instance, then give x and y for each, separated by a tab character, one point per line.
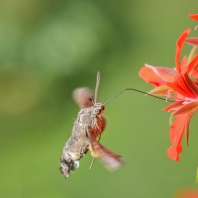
70	159
75	148
66	167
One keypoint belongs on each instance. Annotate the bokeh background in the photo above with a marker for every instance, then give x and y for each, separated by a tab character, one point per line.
47	49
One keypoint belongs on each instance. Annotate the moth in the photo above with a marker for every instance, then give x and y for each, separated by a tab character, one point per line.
86	133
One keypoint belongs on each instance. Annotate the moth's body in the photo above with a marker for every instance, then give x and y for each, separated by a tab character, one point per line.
89	121
88	126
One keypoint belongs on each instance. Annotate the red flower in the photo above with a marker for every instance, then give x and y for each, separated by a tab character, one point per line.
185	105
182	110
159	76
183	89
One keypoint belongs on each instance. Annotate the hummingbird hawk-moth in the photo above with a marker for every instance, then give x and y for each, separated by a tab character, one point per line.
86	134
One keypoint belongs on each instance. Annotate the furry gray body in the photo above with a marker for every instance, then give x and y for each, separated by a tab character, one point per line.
88	121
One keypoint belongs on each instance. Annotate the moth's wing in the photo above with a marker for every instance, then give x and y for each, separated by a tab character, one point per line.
104	122
82	97
109	159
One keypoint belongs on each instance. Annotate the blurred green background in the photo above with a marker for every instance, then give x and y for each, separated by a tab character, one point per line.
47	49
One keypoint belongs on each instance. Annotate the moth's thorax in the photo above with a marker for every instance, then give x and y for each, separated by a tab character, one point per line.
92	118
87	116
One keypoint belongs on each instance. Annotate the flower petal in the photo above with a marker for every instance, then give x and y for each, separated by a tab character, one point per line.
176	134
188	123
173	106
184	65
195	73
148	75
193	64
160	90
186	108
192	41
191	85
194	16
182	86
179	46
165	73
157	75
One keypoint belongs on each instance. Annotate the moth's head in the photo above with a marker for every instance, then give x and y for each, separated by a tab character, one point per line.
99	108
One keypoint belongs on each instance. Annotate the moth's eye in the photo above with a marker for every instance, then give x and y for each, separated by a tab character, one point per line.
100	111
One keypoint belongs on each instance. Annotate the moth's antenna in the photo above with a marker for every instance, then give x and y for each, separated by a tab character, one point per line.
131	89
97	85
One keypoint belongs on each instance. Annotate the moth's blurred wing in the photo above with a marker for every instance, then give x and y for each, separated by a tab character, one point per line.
109	159
82	97
104	123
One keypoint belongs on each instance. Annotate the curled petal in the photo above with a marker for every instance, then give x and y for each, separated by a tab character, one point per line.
179	46
194	16
192	41
176	134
